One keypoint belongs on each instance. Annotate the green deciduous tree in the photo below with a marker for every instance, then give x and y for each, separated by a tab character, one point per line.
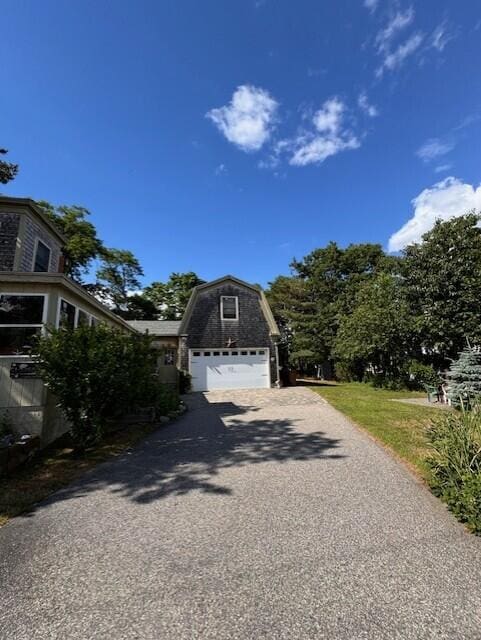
82	243
443	280
171	297
8	170
379	331
332	276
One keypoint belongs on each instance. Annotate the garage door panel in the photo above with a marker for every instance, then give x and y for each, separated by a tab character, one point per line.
233	371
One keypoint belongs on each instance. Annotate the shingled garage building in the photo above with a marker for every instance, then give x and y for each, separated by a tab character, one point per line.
227	338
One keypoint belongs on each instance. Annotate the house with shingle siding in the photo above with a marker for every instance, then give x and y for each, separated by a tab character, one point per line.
35	294
227	338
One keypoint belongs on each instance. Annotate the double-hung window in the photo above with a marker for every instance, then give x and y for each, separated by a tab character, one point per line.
67	313
21	319
229	307
42	257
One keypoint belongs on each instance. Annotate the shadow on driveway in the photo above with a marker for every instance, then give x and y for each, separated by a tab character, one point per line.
190	453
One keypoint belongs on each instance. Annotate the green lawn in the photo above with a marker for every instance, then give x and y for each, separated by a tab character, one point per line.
400	427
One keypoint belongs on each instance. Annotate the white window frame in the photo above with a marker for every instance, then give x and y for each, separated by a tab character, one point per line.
37	240
59	303
77	310
40	326
77	313
236	298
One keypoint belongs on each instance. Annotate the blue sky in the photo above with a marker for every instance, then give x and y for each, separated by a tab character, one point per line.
229	137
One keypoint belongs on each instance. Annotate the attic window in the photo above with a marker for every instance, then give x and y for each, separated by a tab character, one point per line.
42	257
229	307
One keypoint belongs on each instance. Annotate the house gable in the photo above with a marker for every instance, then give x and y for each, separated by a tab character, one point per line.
23	228
203	312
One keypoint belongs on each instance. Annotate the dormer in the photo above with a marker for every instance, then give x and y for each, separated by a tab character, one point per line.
29	241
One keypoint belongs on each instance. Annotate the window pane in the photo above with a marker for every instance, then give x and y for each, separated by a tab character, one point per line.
42	257
225	353
83	319
169	357
234	353
229	307
21	309
67	314
243	353
206	353
252	353
17	340
196	353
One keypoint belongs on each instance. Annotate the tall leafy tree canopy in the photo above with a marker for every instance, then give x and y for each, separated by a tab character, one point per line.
294	307
8	170
332	276
443	280
118	276
380	329
82	243
171	297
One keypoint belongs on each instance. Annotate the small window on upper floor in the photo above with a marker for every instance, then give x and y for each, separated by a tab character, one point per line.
42	257
229	307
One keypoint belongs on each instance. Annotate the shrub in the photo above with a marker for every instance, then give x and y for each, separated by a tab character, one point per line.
185	381
348	372
382	381
455	464
162	397
97	374
417	374
6	428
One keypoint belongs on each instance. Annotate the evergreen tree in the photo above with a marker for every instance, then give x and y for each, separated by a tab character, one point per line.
464	377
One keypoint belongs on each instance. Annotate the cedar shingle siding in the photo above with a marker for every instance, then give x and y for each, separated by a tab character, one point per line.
32	232
9	223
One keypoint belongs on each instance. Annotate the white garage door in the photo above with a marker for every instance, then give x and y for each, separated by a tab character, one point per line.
229	369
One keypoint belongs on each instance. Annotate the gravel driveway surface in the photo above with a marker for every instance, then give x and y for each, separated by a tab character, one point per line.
257	515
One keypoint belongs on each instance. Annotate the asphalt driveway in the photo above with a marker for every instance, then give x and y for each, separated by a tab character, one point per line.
259	514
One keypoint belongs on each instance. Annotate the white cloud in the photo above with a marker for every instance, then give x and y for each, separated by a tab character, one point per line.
396	58
434	148
442	168
371	4
447	199
397	23
329	117
221	168
329	137
441	36
248	120
319	149
366	107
